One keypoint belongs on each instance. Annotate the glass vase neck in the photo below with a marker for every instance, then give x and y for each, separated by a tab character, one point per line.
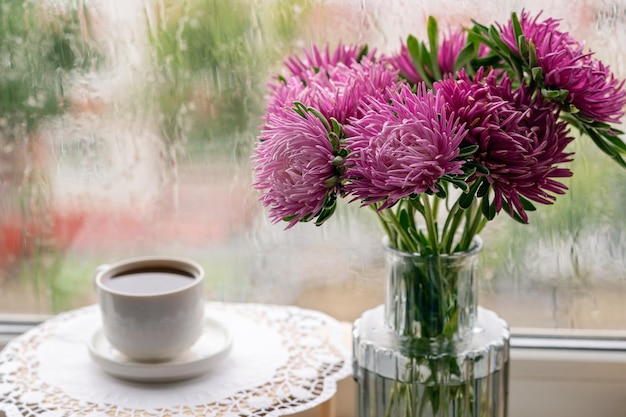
431	296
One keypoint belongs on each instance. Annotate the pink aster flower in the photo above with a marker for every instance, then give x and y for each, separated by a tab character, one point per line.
521	142
320	60
339	95
337	91
592	87
283	94
401	147
294	166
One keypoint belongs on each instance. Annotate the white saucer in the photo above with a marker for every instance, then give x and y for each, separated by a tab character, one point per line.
212	347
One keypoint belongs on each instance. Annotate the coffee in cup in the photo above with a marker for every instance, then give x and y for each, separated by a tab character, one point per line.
152	307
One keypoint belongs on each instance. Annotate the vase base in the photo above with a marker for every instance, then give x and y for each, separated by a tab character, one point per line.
467	378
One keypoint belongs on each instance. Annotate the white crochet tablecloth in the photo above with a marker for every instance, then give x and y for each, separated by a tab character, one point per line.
284	360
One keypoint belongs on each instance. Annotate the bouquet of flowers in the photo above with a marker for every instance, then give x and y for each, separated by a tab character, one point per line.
465	125
437	138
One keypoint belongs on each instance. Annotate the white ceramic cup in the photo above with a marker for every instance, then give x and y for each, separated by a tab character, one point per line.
158	312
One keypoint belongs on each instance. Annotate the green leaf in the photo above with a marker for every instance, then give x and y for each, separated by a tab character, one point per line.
537	74
467	151
517	27
600	143
300	109
338	161
468	171
602	126
479	34
415	50
334	141
532	54
499	47
584	119
488	209
522	46
425	59
466	199
417	204
462	185
289	218
527	204
457	182
441	191
555	95
364	51
563	94
483	190
424	243
414	234
315	112
330	204
336	126
607	147
332	181
479	168
618	144
480	27
413	46
404	219
433	42
491	60
514	214
465	56
494	34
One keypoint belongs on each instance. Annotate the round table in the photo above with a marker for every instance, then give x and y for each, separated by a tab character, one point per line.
284	360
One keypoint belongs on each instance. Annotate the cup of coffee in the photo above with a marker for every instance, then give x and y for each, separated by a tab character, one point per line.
152	307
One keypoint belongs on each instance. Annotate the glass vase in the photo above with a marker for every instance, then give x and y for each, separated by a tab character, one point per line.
430	351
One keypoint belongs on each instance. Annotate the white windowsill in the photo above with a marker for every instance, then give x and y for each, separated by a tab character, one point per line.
551	376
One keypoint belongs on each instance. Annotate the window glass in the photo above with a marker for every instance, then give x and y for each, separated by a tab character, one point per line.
126	129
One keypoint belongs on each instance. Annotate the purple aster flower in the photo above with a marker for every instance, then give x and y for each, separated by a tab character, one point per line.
521	142
401	146
294	166
593	89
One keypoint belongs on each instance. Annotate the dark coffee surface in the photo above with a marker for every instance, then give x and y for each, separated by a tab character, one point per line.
153	282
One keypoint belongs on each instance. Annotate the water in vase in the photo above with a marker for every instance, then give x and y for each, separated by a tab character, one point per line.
480	397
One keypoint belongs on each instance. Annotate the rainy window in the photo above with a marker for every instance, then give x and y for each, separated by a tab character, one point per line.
126	129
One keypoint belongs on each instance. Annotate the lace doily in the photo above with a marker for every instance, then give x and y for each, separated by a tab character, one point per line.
284	360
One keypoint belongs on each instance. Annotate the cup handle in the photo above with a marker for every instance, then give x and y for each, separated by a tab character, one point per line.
99	269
